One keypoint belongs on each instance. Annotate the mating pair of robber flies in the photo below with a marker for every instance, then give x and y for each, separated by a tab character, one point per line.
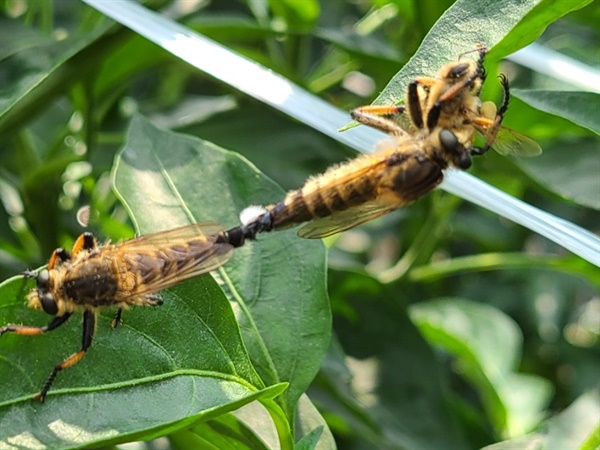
444	114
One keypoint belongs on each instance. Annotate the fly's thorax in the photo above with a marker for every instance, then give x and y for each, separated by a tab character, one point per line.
90	282
409	177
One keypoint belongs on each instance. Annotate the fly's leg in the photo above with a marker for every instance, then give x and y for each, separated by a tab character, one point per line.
85	241
373	116
142	300
32	331
117	319
89	324
415	109
494	126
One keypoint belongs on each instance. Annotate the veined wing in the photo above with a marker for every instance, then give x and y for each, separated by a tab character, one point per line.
511	142
161	260
202	230
506	141
364	175
345	220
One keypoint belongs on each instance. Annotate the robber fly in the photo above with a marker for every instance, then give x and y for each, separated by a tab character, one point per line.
444	112
403	169
92	277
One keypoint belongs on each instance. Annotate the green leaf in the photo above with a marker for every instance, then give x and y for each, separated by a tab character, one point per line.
226	431
395	372
582	108
167	367
190	350
575	428
487	345
460	28
312	428
533	24
296	14
578	426
511	24
569	167
38	73
166	179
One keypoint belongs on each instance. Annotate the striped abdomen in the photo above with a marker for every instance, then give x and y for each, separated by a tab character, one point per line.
338	189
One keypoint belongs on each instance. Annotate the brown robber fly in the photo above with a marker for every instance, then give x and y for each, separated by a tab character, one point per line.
121	275
445	112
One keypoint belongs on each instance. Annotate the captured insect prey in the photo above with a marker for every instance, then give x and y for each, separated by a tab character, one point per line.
444	113
120	276
451	102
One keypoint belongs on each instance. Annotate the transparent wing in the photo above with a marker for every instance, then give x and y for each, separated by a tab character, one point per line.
161	260
345	220
511	142
371	168
203	230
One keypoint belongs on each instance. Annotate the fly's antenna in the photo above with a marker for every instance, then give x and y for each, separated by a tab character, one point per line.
480	48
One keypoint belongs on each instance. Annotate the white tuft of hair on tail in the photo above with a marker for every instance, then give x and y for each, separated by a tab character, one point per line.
251	214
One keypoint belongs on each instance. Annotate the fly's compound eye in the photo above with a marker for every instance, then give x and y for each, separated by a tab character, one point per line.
49	304
449	140
465	161
458	71
450	143
43	279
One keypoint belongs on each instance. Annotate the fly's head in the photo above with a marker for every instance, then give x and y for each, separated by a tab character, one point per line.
42	296
449	146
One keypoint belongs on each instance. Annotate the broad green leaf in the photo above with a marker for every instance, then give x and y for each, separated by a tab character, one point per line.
487	345
461	27
577	428
467	23
166	367
274	139
569	167
276	285
397	380
582	108
40	72
312	431
534	23
226	431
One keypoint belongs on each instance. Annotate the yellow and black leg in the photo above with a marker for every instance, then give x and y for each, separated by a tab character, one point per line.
493	127
89	324
415	109
117	319
374	116
32	331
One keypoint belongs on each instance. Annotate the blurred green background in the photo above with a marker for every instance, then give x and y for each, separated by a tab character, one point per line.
441	287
